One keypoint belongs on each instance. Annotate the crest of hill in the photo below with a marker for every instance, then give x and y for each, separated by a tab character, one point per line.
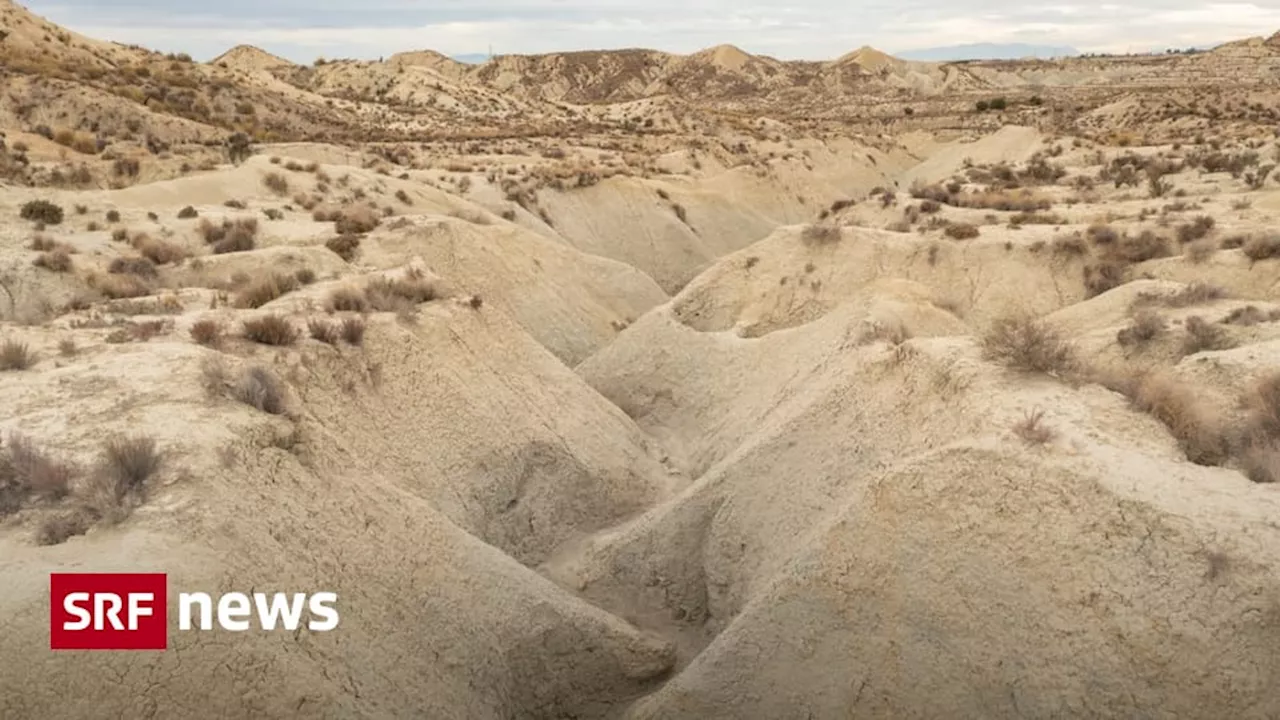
870	59
250	58
584	76
428	59
28	41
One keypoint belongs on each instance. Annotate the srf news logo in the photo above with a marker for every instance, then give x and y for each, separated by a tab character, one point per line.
130	611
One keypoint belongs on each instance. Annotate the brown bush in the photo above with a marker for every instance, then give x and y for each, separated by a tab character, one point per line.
264	289
1203	335
1195	230
1200	433
187	213
324	331
304	276
1070	245
1032	428
1263	248
1147	245
1027	344
118	287
348	299
56	261
390	295
820	234
1200	251
1262	464
962	231
159	251
270	330
353	330
356	220
42	243
276	183
1197	293
25	471
129	462
258	387
344	246
1147	326
207	332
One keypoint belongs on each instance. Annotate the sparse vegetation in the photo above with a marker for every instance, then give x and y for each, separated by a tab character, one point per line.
1027	344
353	330
270	330
41	211
1032	428
264	289
344	246
207	332
15	355
260	388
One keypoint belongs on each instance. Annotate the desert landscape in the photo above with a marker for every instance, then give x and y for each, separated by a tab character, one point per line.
624	384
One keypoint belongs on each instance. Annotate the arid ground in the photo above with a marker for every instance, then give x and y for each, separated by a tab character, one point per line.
633	385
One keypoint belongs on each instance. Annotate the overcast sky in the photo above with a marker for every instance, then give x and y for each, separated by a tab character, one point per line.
303	30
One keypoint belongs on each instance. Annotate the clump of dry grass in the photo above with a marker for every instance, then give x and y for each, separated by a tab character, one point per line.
137	266
117	287
237	235
16	355
1032	428
264	289
1202	336
1027	344
1200	433
820	234
356	220
276	183
67	347
1200	251
1262	248
344	246
894	333
353	330
129	462
270	330
398	294
324	331
348	299
159	251
27	471
258	387
1147	326
54	261
1103	276
962	231
207	332
1196	293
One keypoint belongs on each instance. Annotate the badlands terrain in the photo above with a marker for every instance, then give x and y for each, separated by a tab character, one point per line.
633	385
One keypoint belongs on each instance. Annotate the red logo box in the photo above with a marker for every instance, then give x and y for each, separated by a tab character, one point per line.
108	611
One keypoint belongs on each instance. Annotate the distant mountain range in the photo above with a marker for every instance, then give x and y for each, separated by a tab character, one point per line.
987	51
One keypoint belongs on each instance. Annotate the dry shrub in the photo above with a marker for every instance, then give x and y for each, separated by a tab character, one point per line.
323	330
962	231
187	213
1203	335
1195	230
42	243
1199	432
1262	464
820	234
356	220
129	462
1103	276
1027	344
1032	428
260	388
1197	293
1263	248
271	330
1070	245
894	333
41	211
1200	251
276	183
264	289
1102	235
117	287
348	299
67	347
57	529
207	332
353	330
136	266
1147	326
392	295
27	471
344	246
1247	315
304	276
159	251
56	261
1147	245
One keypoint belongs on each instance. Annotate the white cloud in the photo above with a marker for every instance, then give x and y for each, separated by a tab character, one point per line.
810	29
